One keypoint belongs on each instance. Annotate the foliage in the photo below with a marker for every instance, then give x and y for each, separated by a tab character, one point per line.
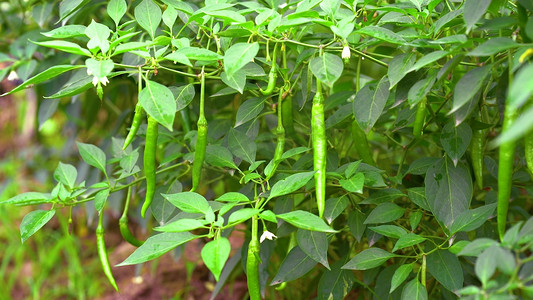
407	99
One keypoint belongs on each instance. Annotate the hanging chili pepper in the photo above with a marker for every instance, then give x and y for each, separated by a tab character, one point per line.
102	251
201	139
318	133
150	162
123	223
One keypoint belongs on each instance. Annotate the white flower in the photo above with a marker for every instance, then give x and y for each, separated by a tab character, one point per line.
345	52
102	80
267	235
13	76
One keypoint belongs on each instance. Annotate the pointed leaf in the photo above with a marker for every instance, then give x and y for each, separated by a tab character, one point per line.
44	76
305	220
215	254
34	221
157	100
157	245
368	259
290	184
327	68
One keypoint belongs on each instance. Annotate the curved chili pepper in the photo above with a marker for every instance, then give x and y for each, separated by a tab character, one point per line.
201	139
272	76
505	172
123	223
137	118
476	153
150	162
419	118
252	264
102	252
318	133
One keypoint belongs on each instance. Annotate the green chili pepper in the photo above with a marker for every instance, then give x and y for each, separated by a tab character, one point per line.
150	162
361	143
318	132
528	148
123	223
505	172
419	118
102	252
272	76
476	153
252	264
280	134
201	139
137	118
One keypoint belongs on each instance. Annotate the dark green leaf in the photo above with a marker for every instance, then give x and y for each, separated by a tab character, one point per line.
368	259
385	212
445	267
188	202
327	68
408	240
241	145
455	140
400	275
34	221
156	246
305	220
472	219
44	76
290	184
215	254
315	245
158	102
414	290
294	266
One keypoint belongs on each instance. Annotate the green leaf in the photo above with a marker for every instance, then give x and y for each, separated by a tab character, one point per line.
148	16
67	31
418	4
315	245
65	47
446	268
421	165
384	212
381	33
92	155
99	68
392	231
181	225
157	245
241	145
335	207
382	196
420	89
356	225
199	54
473	10
521	87
408	240
130	46
327	68
399	66
249	110
368	259
455	140
400	275
417	195
98	36
157	100
215	254
219	156
34	221
169	16
116	9
44	76
477	246
493	46
335	283
428	59
184	95
242	215
239	55
468	86
295	265
472	219
29	198
354	184
66	174
448	190
189	202
69	7
100	200
370	102
290	184
414	290
305	220
237	81
485	263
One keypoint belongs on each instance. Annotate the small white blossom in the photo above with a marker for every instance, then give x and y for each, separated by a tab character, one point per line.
13	76
345	52
267	235
95	80
104	80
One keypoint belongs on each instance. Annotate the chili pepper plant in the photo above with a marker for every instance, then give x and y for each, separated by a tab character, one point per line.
368	149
